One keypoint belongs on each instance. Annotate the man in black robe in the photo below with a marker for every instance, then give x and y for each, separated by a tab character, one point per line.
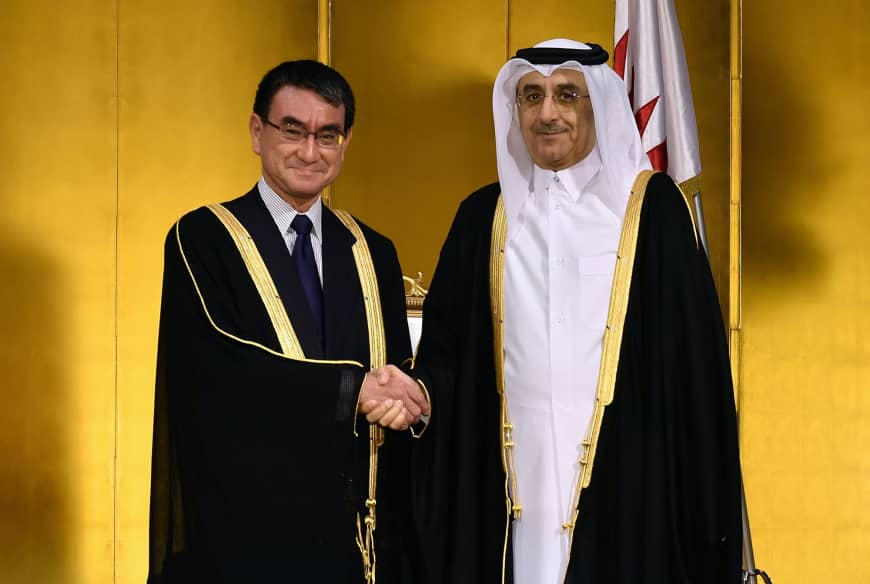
274	309
649	490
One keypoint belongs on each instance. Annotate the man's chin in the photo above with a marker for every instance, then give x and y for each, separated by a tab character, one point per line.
550	160
308	186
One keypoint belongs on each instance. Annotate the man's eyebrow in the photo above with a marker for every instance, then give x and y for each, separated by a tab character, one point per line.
531	87
330	128
569	86
290	120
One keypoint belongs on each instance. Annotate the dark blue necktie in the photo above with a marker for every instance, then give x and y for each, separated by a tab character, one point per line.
303	257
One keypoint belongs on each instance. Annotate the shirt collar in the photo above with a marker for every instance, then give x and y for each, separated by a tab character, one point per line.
573	179
283	212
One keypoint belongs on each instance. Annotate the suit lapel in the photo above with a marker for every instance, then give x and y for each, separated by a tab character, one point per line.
253	214
344	313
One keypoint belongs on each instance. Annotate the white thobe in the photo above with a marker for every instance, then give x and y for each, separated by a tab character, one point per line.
559	264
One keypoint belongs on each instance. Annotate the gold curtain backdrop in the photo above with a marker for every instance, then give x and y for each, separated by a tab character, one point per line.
118	116
805	390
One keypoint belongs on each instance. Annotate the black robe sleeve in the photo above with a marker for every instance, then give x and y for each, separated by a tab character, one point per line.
459	487
236	426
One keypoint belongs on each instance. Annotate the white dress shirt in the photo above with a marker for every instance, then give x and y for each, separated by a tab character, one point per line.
283	214
559	265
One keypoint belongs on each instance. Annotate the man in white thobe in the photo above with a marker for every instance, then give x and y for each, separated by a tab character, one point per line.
572	287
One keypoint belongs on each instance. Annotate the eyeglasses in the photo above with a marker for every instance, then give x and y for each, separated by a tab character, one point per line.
328	138
564	100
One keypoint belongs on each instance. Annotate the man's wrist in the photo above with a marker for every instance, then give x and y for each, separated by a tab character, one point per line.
419	428
350	387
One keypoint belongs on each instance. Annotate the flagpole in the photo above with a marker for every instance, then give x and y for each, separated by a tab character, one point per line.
699	217
692	191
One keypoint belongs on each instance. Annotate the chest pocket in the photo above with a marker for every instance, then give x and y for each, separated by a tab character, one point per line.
596	280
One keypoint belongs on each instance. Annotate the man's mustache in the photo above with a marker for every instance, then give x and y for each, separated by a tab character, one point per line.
552	128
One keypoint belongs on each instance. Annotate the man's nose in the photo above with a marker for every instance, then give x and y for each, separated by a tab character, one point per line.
308	150
549	111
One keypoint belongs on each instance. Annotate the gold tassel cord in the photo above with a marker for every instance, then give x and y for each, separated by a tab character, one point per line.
496	293
365	536
365	527
496	297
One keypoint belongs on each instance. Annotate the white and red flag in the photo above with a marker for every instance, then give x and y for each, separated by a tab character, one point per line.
649	56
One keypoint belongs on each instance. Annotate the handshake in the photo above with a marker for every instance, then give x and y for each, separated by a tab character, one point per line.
392	399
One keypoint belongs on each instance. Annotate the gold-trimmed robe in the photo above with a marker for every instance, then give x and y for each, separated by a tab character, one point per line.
257	474
662	501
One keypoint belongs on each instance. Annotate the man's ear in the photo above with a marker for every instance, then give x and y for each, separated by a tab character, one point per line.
345	143
255	125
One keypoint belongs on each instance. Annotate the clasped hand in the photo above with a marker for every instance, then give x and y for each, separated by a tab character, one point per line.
392	399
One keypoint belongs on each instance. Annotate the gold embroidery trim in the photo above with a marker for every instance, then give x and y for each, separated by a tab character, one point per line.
377	347
290	345
368	279
232	336
496	297
612	341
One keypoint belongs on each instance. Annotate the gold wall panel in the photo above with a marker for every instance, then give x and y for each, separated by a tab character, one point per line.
805	390
532	22
57	259
422	75
188	73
